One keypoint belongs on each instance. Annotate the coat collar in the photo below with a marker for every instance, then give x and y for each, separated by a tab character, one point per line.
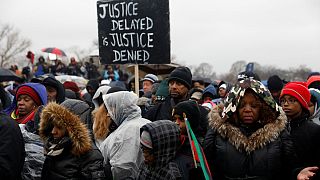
260	138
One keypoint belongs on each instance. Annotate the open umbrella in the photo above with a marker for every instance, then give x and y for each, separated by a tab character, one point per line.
54	50
8	75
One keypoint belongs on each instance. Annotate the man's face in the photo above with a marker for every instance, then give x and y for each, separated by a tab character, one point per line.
52	94
147	85
198	85
291	106
222	92
177	90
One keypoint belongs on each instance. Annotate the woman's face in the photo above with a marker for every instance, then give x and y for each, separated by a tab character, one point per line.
25	104
58	132
249	108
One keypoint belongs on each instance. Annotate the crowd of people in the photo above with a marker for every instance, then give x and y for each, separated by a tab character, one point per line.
245	130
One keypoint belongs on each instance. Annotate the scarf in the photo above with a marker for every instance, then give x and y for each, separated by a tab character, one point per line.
55	147
23	119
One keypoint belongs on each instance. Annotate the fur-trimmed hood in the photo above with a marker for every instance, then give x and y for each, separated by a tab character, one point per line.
257	140
61	116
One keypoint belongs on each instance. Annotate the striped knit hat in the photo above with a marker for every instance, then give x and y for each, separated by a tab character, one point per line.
299	90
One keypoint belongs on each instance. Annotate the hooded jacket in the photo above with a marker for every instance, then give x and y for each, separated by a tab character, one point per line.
51	81
38	88
210	91
78	160
260	151
81	109
122	146
97	97
315	116
165	136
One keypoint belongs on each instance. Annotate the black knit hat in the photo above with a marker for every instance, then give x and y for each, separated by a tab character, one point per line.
275	83
191	109
182	75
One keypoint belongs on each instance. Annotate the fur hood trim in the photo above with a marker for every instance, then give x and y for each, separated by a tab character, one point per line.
54	114
268	133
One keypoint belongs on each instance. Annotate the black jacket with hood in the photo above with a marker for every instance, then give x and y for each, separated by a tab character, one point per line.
50	81
79	158
260	151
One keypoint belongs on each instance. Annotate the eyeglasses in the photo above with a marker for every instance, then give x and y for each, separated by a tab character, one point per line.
289	101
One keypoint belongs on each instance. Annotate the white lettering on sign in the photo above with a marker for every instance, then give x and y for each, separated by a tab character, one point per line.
129	35
134	24
131	55
117	10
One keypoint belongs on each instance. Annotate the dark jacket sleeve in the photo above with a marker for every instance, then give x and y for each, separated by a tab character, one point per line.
209	147
92	165
152	113
12	151
289	156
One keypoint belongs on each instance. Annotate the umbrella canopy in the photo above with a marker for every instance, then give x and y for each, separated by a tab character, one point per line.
80	81
54	50
8	75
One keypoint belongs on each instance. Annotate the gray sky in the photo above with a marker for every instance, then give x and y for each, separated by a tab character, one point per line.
284	33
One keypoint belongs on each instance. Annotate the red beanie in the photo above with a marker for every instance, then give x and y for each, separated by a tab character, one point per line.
71	85
313	79
27	90
298	90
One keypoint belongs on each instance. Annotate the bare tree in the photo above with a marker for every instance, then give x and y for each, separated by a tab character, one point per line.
79	53
238	67
11	44
204	70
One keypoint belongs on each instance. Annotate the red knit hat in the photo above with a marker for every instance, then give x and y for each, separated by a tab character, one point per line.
298	90
313	79
71	85
27	90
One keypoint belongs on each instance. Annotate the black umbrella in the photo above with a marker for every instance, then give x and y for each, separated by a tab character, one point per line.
8	75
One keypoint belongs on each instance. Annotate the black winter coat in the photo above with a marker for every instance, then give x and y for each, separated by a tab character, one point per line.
260	153
160	111
68	166
80	159
12	151
306	140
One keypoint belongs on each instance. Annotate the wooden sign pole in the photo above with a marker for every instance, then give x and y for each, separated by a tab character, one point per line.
136	78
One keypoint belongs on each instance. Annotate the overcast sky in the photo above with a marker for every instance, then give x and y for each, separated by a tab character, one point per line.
284	33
